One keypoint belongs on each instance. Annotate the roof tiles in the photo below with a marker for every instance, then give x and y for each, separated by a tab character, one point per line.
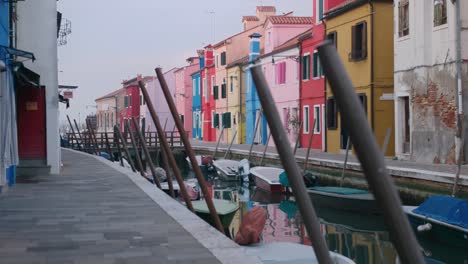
266	8
290	20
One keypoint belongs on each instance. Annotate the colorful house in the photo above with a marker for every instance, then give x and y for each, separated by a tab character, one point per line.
363	33
183	91
312	85
209	117
196	99
107	112
220	91
131	101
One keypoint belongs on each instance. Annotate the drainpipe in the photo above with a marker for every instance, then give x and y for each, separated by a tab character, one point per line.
372	65
325	128
239	123
458	29
301	100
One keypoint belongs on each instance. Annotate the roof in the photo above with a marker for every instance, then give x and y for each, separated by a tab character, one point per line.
112	94
250	18
293	41
238	62
348	5
134	81
266	8
290	20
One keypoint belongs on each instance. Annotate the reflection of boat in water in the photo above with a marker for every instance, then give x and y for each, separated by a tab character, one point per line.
352	220
442	253
285	252
342	198
265	197
225	209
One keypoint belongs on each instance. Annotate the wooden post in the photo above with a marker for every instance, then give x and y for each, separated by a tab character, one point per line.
79	134
116	142
255	132
94	138
265	149
165	146
147	154
298	138
108	146
230	145
219	140
135	148
74	135
91	137
124	145
386	140
188	148
306	162
348	146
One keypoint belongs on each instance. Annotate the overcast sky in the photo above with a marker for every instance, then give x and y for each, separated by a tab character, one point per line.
113	40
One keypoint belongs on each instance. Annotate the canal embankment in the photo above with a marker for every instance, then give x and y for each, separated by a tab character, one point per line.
415	181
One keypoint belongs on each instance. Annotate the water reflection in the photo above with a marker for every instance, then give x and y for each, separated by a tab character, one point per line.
361	238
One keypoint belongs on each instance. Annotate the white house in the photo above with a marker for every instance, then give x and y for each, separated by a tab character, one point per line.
425	76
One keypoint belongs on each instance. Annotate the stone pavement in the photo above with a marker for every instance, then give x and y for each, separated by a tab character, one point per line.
440	173
92	213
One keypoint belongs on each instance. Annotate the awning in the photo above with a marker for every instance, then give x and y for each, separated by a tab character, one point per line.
17	52
25	76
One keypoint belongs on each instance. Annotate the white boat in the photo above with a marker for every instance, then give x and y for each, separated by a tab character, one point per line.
267	178
286	252
228	170
197	157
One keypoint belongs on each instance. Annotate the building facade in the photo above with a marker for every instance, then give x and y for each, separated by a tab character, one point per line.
363	35
107	111
209	117
131	102
426	83
183	91
236	99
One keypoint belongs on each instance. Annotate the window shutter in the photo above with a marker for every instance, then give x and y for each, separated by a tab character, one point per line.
227	120
316	70
223	58
125	101
215	92
216	120
353	42
320	9
400	19
284	72
364	40
223	90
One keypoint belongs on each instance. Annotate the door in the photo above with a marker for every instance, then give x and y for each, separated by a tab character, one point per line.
31	122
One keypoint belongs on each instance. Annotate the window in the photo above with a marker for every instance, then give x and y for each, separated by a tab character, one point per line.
403	18
215	120
363	99
205	87
280	73
215	92
332	36
112	119
306	119
212	83
319	10
440	12
125	101
226	120
286	118
199	86
223	58
359	41
332	115
142	102
317	71
223	90
216	61
306	67
182	119
316	119
231	85
194	118
269	37
130	100
194	87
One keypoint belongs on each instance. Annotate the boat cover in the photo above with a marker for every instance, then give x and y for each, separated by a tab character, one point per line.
445	209
338	190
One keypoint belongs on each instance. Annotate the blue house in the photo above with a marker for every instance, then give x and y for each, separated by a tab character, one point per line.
196	102
252	102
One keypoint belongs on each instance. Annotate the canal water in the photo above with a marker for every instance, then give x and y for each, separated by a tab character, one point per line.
362	238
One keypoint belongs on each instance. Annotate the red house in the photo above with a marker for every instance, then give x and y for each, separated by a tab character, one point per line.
312	85
208	102
131	104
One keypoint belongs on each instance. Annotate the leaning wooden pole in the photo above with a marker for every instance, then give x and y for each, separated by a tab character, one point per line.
165	146
298	137
219	141
230	145
291	168
111	156
146	151
255	133
135	148
265	149
94	138
74	135
311	138
80	135
124	145
188	149
345	164
370	156
90	136
116	142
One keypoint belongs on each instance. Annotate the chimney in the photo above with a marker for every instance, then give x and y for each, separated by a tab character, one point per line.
201	57
263	12
209	55
254	50
250	22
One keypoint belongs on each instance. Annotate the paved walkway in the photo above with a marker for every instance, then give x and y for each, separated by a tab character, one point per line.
434	172
90	214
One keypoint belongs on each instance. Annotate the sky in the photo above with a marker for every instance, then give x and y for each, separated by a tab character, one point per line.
114	40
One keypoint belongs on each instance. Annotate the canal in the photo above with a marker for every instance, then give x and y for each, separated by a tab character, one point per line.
362	238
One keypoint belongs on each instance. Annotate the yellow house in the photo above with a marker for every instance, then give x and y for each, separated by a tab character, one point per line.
236	86
363	34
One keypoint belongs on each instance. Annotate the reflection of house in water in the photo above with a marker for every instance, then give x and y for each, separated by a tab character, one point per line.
362	247
279	228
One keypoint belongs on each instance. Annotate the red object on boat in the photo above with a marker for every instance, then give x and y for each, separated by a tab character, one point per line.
252	226
207	160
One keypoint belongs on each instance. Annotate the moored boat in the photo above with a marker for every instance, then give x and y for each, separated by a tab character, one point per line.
267	178
225	210
228	170
441	218
342	198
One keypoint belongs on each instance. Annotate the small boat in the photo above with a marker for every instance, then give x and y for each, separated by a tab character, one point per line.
267	178
191	186
197	157
204	162
441	218
351	220
287	252
228	170
225	209
343	198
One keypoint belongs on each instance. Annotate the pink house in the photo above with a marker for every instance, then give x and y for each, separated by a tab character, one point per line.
281	65
183	91
220	86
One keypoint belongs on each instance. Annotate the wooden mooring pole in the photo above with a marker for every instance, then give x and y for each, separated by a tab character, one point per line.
124	145
265	149
74	135
311	138
116	143
254	134
135	148
299	137
188	149
219	140
230	145
83	141
90	136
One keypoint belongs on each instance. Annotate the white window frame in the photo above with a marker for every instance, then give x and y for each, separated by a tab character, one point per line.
306	128
317	10
308	71
317	124
194	87
199	85
205	93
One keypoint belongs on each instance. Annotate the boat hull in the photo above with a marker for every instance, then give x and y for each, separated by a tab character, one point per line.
225	219
442	232
266	186
353	203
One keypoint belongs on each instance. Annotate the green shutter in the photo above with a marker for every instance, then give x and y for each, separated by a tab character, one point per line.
305	67
125	101
223	90
320	9
216	120
316	70
223	58
228	120
215	92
